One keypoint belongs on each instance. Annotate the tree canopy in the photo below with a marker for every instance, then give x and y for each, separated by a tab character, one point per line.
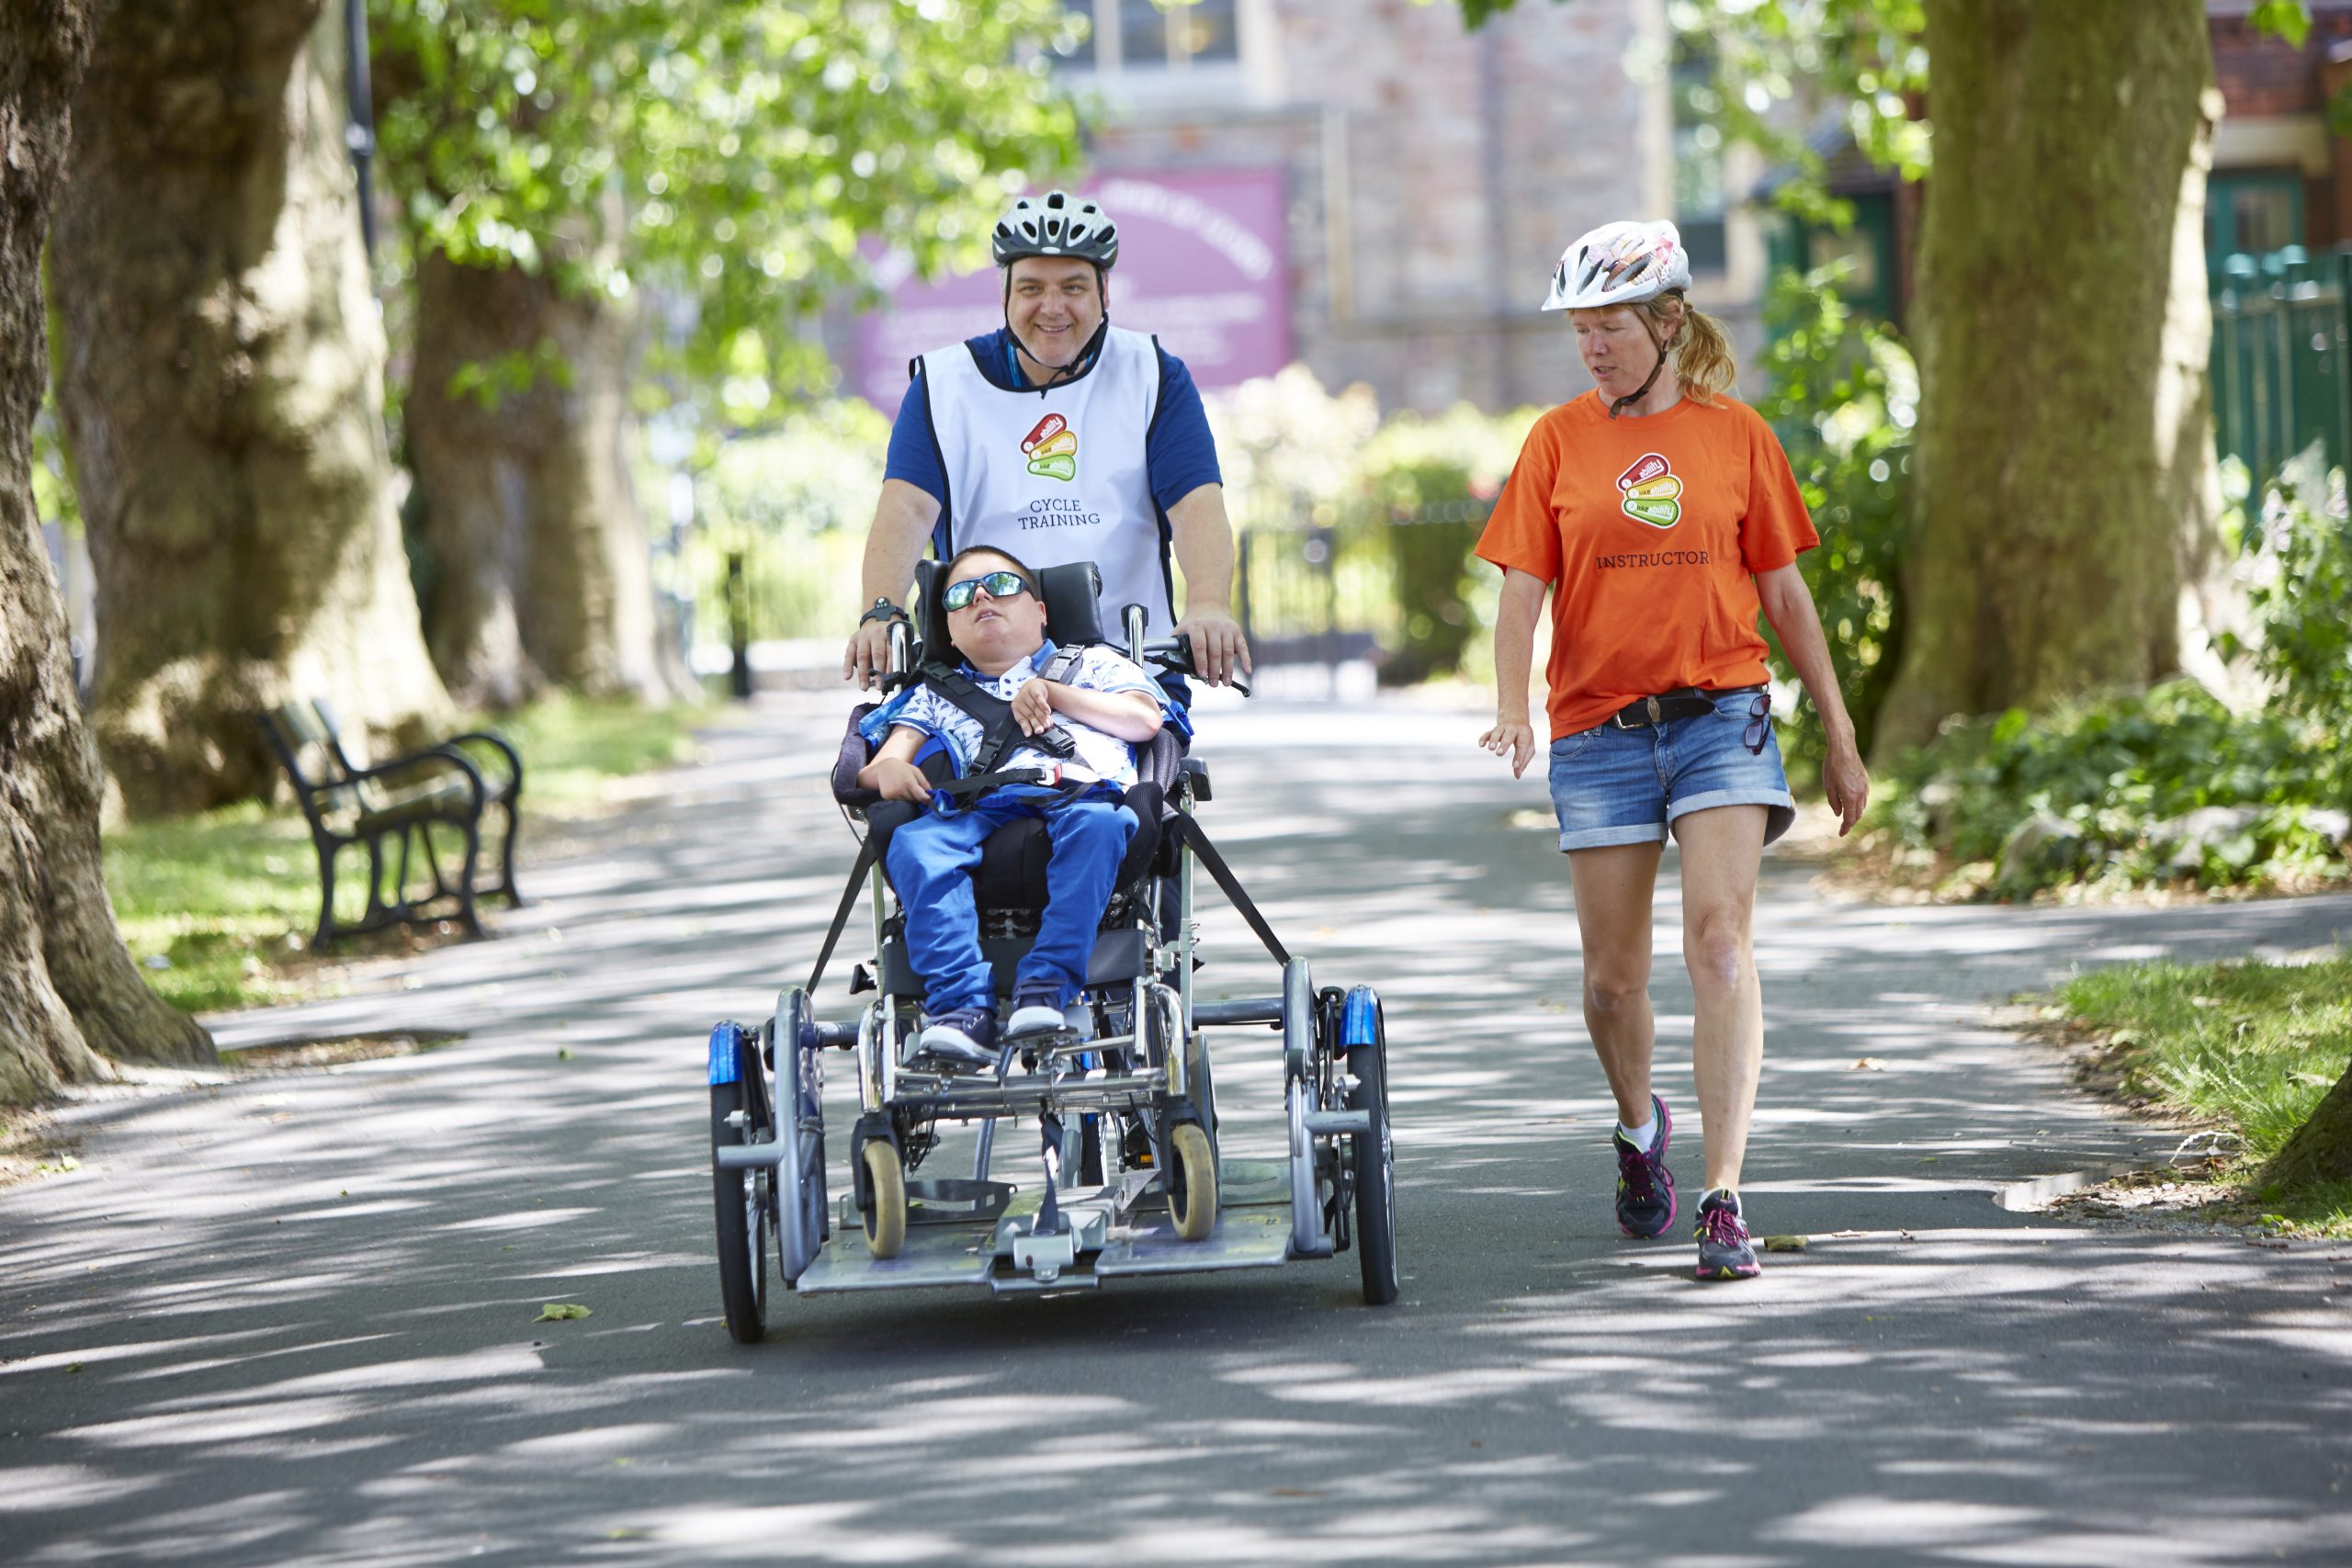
738	152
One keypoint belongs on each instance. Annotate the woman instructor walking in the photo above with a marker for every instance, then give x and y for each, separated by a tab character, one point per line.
1661	516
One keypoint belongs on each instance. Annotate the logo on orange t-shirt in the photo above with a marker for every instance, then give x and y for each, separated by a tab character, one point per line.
1052	449
1652	495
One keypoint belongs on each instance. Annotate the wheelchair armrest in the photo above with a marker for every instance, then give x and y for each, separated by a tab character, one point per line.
1196	774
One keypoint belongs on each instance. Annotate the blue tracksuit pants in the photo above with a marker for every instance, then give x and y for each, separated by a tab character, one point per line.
931	862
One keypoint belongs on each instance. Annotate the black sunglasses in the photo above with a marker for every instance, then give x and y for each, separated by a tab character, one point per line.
996	584
1759	723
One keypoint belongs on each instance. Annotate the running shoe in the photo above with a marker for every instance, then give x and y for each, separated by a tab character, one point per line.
1036	1009
1724	1251
1644	1187
963	1036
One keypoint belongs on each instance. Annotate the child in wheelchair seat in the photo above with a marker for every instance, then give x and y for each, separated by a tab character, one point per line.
1081	712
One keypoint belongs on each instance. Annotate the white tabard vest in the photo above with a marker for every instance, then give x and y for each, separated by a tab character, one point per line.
1059	477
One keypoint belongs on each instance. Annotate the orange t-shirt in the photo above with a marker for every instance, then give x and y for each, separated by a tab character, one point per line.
1651	531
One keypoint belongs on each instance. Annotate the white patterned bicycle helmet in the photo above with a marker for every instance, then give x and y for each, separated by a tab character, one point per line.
1056	224
1620	263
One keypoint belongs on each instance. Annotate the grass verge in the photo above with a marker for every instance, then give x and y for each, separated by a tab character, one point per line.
2249	1047
218	907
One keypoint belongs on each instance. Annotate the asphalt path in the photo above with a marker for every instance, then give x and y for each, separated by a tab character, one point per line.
288	1318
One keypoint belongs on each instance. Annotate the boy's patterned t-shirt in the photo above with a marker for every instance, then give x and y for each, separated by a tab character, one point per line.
1099	756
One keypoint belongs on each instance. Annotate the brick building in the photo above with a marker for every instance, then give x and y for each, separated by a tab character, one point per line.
2280	175
1433	173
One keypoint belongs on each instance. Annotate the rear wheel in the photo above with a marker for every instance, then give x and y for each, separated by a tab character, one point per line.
1192	1183
1375	1174
885	1216
743	1199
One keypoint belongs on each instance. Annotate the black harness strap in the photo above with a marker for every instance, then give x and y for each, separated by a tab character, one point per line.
867	853
1190	832
999	729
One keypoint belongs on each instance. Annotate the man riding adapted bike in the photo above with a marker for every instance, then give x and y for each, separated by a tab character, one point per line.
1061	438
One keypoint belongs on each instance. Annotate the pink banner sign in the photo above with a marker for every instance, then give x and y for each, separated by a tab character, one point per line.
1203	263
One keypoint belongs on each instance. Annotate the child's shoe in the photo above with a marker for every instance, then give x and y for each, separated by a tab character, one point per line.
963	1035
1036	1009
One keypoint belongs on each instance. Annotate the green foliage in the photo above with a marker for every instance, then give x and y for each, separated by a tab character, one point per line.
1345	516
730	152
794	501
2255	1046
1844	396
2128	774
2171	785
2296	558
1430	483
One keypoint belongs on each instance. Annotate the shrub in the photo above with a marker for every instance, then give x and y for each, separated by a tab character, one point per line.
1843	395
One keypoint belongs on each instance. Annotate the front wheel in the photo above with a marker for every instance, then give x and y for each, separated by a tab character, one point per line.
1192	1183
1376	1173
743	1198
885	1216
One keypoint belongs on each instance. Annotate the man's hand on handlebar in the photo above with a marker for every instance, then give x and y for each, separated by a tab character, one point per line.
895	778
867	658
1218	647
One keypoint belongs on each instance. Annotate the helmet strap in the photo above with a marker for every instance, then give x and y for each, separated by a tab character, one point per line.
1631	398
1077	367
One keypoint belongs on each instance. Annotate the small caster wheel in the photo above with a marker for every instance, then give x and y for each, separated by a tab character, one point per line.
1192	1183
885	1217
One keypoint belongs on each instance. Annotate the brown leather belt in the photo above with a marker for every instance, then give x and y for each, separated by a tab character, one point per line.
1686	702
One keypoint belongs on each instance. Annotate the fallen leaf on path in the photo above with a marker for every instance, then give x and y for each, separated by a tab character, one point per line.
1784	1244
558	1312
1871	1065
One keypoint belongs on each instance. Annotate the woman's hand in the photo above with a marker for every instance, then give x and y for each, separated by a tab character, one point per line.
1845	781
1512	738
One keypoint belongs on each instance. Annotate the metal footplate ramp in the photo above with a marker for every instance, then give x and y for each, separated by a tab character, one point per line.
1252	1231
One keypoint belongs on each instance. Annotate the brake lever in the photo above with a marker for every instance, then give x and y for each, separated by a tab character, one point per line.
1175	655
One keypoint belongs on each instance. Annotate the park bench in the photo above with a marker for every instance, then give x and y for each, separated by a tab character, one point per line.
390	809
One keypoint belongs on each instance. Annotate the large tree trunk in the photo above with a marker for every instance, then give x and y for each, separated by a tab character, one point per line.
2066	463
223	400
67	988
2319	1150
538	568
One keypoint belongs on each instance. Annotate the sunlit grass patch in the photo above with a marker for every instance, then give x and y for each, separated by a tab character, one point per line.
572	745
2251	1046
219	908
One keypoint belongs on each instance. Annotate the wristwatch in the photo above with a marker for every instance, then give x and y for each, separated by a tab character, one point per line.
882	610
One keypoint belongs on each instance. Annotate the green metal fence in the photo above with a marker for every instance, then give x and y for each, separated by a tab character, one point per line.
2282	357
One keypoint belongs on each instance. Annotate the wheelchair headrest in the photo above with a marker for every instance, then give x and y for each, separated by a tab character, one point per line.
1073	593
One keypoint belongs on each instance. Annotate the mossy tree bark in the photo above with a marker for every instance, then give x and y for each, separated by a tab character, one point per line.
68	990
222	397
537	563
2064	469
2321	1149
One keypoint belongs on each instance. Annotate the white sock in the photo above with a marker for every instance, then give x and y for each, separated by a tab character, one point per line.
1641	1137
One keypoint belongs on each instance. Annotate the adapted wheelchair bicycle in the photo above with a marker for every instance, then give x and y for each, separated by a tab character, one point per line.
1131	1180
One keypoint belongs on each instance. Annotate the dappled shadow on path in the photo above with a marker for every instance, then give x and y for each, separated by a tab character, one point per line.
289	1320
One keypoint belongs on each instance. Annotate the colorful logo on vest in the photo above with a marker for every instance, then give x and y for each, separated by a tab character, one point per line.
1652	495
1052	449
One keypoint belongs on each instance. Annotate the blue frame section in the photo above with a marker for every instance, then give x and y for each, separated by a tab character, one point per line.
1360	1024
726	1053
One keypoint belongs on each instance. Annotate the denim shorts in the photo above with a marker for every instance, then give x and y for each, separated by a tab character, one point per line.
1627	786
